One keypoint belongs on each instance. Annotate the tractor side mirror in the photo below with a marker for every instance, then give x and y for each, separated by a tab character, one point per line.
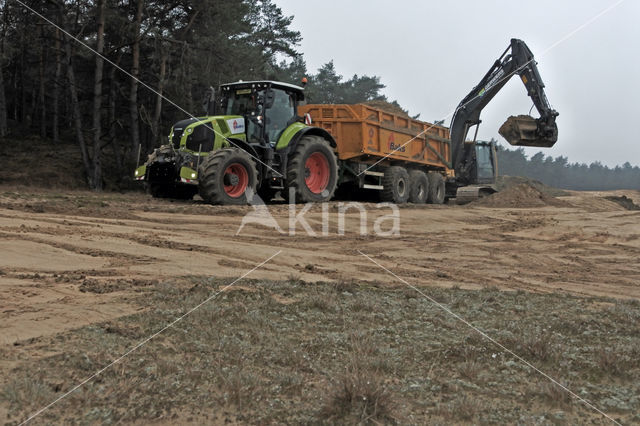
209	101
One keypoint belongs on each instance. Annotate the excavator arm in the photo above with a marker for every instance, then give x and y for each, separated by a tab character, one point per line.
522	130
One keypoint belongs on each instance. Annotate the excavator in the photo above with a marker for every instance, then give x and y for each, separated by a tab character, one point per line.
523	130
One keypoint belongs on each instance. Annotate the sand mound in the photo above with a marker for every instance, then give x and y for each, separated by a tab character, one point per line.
624	201
504	182
523	195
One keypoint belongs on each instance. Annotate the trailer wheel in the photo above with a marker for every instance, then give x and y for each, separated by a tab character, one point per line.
419	187
312	171
396	185
436	188
225	176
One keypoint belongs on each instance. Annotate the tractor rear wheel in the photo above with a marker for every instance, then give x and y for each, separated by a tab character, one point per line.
312	171
419	185
226	175
436	188
396	185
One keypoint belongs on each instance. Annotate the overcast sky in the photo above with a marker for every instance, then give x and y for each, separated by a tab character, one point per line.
431	54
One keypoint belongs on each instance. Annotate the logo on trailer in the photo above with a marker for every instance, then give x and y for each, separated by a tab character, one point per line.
393	146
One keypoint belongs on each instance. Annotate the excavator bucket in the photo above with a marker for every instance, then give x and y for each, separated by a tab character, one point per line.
524	130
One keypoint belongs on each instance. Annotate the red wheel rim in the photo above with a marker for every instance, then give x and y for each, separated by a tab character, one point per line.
316	172
238	189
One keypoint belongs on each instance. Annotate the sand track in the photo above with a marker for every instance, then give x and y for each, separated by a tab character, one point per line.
75	259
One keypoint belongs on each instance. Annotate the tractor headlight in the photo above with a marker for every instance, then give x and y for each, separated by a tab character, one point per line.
193	175
136	173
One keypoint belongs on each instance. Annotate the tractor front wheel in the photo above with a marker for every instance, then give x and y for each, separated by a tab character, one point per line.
225	176
312	171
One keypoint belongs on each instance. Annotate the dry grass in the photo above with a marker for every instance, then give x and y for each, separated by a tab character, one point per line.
360	395
539	346
300	353
553	395
609	362
464	409
470	370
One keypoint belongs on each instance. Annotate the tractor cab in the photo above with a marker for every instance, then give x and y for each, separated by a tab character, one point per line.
267	107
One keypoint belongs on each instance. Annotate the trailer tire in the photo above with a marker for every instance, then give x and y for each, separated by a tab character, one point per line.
419	187
226	175
312	171
436	188
396	185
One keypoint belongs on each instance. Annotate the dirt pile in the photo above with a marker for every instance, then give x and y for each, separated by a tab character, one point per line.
520	196
504	182
624	201
388	107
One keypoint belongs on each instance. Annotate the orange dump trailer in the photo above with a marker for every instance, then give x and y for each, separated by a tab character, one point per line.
376	147
369	134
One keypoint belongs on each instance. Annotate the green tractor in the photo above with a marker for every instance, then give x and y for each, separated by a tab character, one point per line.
251	142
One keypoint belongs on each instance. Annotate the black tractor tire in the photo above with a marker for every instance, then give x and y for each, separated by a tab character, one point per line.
312	171
436	188
396	185
226	175
419	187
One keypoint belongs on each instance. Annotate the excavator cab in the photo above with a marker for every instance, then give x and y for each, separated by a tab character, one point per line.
480	162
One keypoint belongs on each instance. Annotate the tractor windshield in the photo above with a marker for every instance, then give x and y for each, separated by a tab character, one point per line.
246	102
242	102
268	111
279	114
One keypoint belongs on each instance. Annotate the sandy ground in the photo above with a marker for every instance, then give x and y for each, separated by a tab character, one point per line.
76	258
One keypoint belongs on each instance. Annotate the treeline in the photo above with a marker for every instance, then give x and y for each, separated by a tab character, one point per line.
52	85
559	173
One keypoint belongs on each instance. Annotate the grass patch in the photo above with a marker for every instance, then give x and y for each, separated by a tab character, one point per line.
295	352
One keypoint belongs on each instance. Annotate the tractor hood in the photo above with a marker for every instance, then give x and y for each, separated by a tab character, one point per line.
205	134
